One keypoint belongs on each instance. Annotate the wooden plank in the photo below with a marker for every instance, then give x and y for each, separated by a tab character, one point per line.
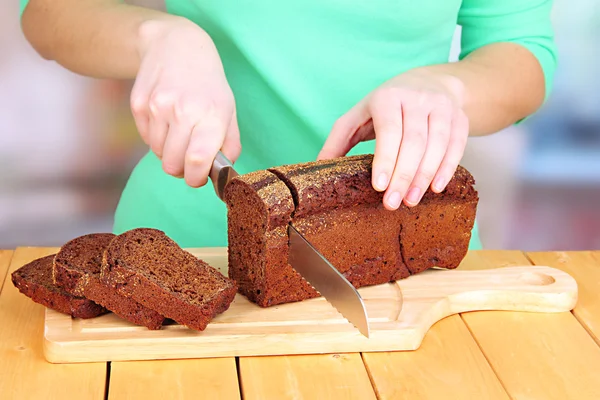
535	355
5	257
25	373
449	365
331	376
585	267
313	326
177	379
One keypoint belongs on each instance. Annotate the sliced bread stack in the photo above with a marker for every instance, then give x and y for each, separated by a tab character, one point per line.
141	275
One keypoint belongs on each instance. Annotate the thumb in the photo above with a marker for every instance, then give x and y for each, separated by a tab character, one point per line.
345	133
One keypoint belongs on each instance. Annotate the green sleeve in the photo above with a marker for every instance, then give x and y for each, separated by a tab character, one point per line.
22	5
525	22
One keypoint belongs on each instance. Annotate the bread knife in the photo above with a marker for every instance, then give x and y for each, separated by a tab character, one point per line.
307	260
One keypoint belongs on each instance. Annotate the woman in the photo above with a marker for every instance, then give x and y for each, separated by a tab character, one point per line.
298	79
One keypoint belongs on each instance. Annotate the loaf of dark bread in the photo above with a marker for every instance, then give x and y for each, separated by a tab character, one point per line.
34	280
333	204
77	270
147	266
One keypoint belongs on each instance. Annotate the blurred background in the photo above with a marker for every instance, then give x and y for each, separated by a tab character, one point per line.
68	144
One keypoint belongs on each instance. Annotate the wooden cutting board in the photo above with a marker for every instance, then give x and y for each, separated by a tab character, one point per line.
314	326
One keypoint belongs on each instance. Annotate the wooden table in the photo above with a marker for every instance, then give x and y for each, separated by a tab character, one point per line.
479	355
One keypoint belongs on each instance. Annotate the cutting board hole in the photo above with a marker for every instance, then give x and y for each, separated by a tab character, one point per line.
537	279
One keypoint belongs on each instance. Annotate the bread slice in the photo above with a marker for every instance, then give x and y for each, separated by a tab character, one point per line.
34	280
148	266
260	206
77	270
333	204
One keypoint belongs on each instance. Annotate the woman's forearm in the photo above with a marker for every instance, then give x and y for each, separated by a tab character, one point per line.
497	85
98	38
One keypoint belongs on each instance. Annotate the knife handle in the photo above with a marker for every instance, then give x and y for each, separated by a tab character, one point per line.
221	173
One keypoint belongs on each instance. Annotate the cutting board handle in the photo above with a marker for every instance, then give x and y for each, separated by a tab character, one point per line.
519	288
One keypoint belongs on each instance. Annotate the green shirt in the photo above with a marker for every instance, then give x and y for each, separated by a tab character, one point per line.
297	66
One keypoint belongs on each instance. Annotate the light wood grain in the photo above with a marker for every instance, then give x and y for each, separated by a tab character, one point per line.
399	316
535	356
24	373
584	266
331	376
449	365
179	379
5	257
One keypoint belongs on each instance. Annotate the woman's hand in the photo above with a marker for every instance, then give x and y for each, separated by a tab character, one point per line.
420	132
181	102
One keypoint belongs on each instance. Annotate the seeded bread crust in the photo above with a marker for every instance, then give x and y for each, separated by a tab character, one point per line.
150	268
77	269
338	211
34	280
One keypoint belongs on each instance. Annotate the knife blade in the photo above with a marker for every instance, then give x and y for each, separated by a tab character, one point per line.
307	260
327	280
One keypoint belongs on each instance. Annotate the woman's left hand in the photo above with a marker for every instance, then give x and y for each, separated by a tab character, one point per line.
420	132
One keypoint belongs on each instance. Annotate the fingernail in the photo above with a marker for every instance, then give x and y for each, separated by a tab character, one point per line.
382	181
439	184
394	200
413	195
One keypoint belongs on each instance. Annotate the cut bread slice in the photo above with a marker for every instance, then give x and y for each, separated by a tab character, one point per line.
34	280
77	270
148	266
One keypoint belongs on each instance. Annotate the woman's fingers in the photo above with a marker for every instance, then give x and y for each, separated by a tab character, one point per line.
212	133
205	141
186	132
140	112
140	95
386	109
420	139
161	108
176	144
459	133
412	149
438	136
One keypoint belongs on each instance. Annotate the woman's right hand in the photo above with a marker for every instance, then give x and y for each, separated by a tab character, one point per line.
181	101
